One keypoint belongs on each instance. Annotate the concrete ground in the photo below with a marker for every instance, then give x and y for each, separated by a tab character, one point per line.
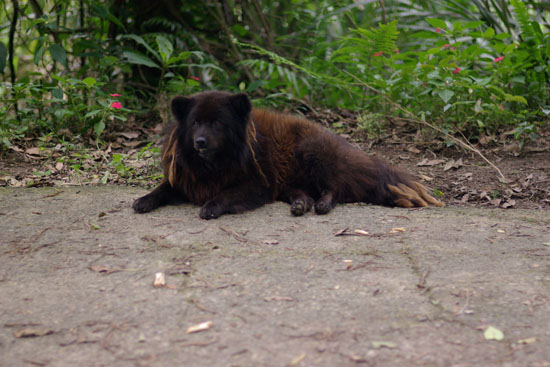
431	287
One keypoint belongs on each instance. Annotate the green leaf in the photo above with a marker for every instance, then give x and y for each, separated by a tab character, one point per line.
139	59
445	94
437	23
474	24
3	57
58	54
492	333
91	113
57	93
489	33
89	82
511	98
38	54
165	47
99	127
546	244
142	42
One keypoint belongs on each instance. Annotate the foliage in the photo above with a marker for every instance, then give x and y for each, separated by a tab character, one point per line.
464	65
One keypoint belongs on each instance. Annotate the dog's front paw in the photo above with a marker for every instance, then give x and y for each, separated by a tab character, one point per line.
211	210
145	204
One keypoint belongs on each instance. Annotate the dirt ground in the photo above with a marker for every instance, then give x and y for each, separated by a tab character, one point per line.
447	286
465	285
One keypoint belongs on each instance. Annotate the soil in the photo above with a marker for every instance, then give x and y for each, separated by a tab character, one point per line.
464	285
361	286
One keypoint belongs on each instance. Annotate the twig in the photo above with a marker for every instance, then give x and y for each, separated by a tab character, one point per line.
10	52
413	117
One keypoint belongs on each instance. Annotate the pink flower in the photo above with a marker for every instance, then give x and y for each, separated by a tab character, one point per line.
498	59
456	71
115	95
438	30
501	107
379	53
396	50
446	45
194	78
116	105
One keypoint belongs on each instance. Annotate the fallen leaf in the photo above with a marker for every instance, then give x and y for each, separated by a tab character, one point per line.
425	162
413	150
492	333
546	244
59	166
397	230
383	344
527	341
453	164
33	151
426	178
509	203
160	280
130	134
361	232
32	332
341	232
278	298
199	327
270	242
297	360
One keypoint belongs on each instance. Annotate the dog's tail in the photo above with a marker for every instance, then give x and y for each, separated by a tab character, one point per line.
412	194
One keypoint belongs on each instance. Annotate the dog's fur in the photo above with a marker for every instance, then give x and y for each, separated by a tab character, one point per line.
229	158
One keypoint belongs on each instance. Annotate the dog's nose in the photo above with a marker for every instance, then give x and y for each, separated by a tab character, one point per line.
200	142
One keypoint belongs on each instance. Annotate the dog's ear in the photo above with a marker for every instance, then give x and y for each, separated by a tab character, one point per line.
241	104
181	107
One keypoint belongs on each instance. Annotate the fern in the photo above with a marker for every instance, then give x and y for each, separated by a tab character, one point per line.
381	39
526	27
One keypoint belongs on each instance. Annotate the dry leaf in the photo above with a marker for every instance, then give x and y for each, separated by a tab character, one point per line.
130	134
59	166
278	298
297	360
270	242
397	230
413	149
33	151
425	162
453	164
199	327
32	332
100	268
527	341
160	280
361	232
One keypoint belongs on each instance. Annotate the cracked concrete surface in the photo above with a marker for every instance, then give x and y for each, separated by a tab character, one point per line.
77	267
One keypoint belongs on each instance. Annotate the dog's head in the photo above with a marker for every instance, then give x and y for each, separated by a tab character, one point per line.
212	124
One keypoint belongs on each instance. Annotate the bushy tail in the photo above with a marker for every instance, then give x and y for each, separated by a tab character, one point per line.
412	194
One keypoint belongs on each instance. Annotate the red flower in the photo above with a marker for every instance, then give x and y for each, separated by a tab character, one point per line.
456	71
446	45
116	105
379	53
115	95
501	107
396	50
194	78
438	30
498	59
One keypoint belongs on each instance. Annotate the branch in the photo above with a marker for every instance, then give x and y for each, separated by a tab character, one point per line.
465	144
10	42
